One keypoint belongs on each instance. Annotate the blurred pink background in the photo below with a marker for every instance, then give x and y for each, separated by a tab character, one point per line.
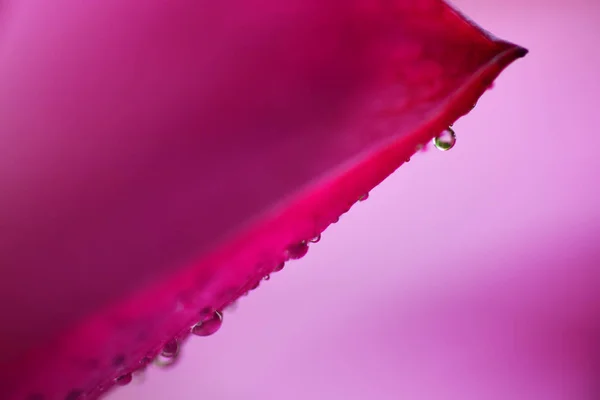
472	274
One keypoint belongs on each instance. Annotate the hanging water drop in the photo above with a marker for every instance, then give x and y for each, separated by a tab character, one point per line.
446	140
279	267
208	326
364	197
124	379
169	354
171	349
316	239
164	362
267	277
297	251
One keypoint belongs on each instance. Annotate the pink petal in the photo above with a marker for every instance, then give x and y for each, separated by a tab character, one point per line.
161	175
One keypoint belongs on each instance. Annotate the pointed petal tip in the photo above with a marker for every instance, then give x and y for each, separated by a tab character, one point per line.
522	52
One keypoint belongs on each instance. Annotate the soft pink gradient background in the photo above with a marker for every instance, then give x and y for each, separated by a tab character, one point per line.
467	275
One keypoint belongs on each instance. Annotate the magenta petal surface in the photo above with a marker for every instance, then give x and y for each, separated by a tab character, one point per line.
205	146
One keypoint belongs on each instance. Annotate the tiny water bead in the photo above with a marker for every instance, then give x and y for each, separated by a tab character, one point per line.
297	251
169	354
363	197
165	362
446	140
171	349
316	239
124	379
267	277
255	285
280	266
208	326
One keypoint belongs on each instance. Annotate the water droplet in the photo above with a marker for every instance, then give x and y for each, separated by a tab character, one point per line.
364	197
267	277
208	326
316	239
171	349
124	379
169	354
297	251
279	266
446	140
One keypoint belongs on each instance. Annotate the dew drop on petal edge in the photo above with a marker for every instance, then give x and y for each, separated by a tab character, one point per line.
446	140
124	379
171	349
208	326
316	239
297	251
